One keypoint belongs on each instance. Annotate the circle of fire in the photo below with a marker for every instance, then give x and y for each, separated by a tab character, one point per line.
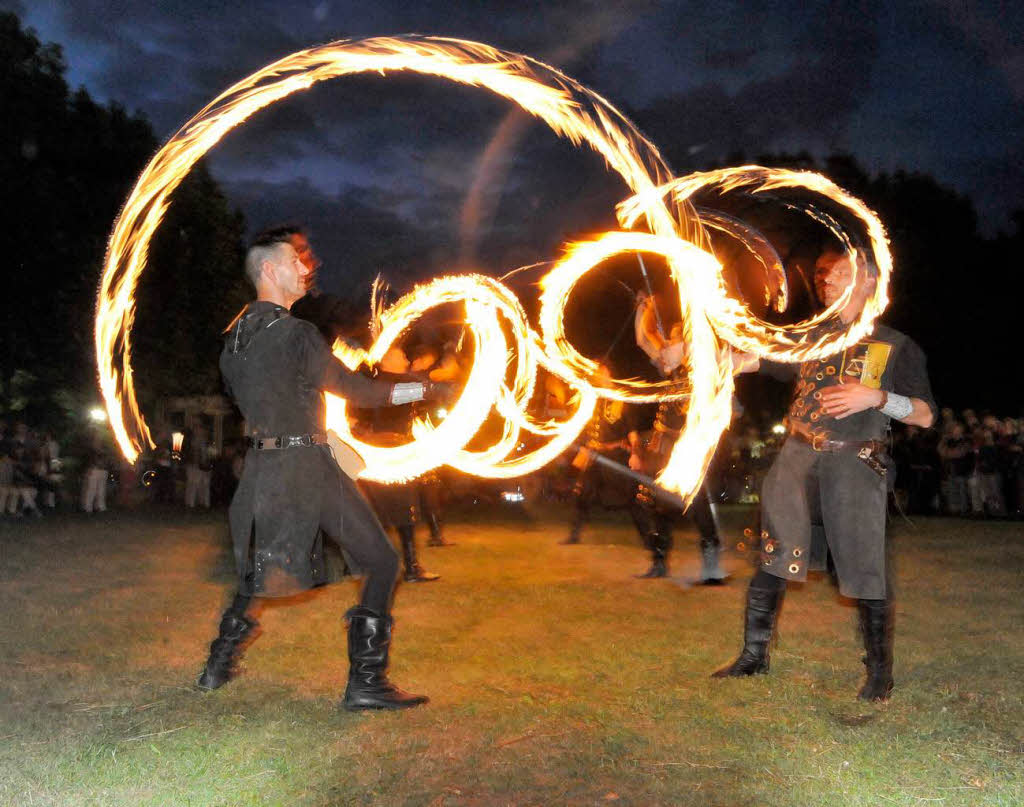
713	321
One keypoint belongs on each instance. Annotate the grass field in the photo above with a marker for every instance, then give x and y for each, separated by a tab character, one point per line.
554	676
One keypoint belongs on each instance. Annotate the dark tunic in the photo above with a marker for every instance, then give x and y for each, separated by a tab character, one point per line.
611	424
276	368
669	422
813	500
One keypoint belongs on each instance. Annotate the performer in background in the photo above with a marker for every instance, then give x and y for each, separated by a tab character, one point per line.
426	360
397	504
609	432
826	491
276	368
653	519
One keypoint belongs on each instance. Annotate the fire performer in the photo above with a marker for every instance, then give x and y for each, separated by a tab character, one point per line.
397	505
276	368
611	431
331	316
653	519
826	491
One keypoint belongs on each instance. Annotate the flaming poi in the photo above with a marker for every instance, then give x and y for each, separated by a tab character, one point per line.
713	322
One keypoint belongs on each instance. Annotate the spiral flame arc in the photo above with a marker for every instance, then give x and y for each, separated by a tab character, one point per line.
658	217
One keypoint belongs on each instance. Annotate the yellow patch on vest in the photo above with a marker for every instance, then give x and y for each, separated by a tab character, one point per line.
866	362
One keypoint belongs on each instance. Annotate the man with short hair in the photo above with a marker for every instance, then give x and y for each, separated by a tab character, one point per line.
330	313
277	367
826	492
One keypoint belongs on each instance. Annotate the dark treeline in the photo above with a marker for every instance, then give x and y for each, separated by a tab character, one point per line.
67	164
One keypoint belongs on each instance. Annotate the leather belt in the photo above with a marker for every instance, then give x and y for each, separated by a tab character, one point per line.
287	441
820	441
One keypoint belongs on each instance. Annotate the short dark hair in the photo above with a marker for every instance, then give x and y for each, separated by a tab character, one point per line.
833	246
280	234
257	254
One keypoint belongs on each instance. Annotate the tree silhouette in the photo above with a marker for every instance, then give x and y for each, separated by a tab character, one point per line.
67	164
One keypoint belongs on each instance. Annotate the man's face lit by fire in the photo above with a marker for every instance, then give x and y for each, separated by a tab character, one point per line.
833	272
288	273
306	254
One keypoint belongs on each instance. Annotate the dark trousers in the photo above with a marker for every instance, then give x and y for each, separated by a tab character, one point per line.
649	516
364	541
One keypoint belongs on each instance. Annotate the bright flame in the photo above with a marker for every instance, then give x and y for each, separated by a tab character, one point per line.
712	321
568	108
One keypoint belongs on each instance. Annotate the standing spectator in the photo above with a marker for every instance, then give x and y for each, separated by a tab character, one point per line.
94	480
922	452
164	483
1015	468
50	468
7	490
957	452
25	483
197	470
988	481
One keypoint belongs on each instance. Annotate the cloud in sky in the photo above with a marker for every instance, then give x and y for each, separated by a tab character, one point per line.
933	87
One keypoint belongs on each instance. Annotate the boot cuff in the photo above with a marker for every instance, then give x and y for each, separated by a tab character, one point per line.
362	612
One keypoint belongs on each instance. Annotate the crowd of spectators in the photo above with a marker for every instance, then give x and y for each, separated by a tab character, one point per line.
37	476
968	465
30	471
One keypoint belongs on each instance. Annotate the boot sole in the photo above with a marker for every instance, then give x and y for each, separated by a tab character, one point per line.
383	707
723	674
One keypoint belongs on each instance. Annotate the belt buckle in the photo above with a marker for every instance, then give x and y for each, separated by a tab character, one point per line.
864	453
817	438
305	440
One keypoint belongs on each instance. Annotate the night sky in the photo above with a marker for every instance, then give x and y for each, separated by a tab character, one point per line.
380	168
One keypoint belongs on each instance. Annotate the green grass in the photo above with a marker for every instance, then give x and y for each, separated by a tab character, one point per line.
554	676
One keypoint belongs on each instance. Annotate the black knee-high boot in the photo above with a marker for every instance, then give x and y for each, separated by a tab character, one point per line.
876	628
414	573
655	531
659	543
580	512
759	624
369	638
237	631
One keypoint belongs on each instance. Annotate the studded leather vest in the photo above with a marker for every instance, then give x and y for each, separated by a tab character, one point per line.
868	362
608	423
